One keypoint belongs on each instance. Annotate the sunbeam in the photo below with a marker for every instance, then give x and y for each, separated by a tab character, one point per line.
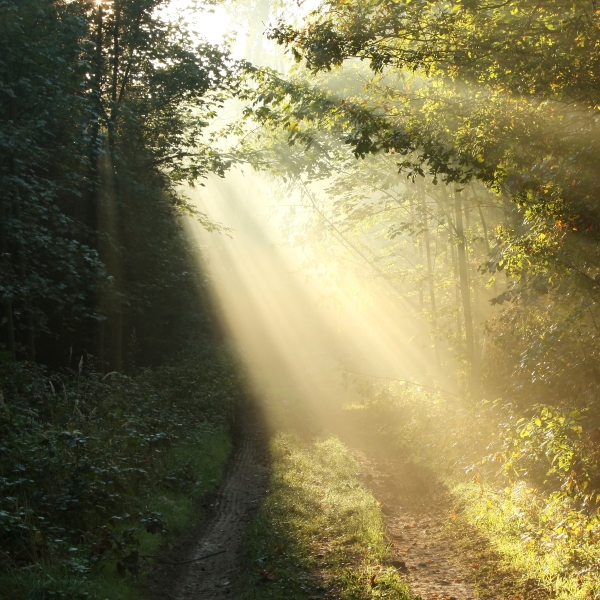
274	308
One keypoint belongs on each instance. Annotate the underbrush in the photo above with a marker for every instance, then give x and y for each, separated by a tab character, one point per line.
320	531
98	471
526	480
531	531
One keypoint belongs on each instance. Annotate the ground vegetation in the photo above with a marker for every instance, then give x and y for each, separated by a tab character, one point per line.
320	530
99	472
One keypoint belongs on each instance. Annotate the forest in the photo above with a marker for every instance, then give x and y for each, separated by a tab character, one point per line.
342	256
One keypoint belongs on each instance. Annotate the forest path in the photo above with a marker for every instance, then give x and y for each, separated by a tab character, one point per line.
231	511
414	515
441	562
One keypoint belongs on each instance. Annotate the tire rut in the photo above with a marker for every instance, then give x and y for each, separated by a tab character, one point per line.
235	505
414	516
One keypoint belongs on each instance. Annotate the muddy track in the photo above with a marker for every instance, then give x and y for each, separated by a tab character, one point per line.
231	511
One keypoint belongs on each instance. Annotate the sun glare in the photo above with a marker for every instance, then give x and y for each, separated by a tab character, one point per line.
274	309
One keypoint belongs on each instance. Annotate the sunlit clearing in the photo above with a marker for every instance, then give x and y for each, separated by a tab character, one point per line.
294	341
239	26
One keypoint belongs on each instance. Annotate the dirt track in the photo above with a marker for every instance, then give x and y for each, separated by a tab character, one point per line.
440	562
437	565
414	515
229	512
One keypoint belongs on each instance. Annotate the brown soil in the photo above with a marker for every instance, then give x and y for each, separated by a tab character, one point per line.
414	517
229	513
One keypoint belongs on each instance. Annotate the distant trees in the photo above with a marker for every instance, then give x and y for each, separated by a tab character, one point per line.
102	111
458	93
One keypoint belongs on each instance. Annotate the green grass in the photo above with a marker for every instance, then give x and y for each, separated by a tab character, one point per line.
530	531
203	456
320	531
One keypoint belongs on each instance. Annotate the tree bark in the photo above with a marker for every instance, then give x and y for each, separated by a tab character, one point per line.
10	329
459	332
6	209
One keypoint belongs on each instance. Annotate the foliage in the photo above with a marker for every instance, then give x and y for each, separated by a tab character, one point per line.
504	273
103	112
455	117
89	463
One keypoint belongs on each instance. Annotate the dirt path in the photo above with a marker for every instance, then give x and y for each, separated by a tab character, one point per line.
438	562
231	510
442	556
414	514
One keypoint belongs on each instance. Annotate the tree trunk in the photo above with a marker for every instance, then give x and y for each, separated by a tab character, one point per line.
31	336
90	217
4	247
413	218
447	209
430	280
463	270
110	254
459	332
10	329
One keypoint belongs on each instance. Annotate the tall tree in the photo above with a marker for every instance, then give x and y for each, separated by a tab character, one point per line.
102	113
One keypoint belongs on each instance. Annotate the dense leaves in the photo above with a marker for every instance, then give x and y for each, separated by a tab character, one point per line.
81	451
102	113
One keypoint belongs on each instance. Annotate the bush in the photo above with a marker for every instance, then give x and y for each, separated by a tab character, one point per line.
80	450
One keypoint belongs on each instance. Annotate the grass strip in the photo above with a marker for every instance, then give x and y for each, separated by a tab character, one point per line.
523	526
320	532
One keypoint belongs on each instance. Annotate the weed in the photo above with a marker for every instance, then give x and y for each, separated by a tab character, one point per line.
97	472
